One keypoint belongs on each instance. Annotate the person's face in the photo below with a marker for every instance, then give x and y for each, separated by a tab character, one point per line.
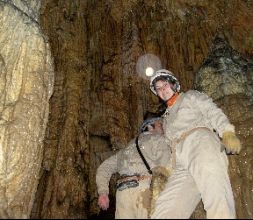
163	90
156	127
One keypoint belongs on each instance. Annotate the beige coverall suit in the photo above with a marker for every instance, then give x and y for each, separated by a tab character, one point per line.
201	169
130	201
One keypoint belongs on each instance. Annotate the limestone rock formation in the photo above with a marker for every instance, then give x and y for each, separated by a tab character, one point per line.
26	84
100	98
227	77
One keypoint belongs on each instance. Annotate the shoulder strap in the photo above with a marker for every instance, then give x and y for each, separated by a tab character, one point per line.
141	155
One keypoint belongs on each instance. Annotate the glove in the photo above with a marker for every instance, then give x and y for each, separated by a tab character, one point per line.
231	142
103	201
160	177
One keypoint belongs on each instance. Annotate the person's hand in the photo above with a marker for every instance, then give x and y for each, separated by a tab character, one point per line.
103	201
231	142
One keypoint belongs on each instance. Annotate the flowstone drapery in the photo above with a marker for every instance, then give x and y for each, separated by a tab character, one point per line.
26	84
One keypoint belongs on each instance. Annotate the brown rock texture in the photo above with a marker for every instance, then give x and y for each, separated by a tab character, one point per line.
100	97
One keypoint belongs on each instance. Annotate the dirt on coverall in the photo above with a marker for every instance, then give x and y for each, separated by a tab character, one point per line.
130	202
200	168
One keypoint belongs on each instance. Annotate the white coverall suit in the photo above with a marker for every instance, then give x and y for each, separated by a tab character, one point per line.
200	168
129	201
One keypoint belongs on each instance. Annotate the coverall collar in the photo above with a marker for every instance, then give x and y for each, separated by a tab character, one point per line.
174	107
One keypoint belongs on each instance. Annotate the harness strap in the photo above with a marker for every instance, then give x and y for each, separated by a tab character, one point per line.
132	181
125	178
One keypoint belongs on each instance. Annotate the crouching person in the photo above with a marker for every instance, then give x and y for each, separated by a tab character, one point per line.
136	190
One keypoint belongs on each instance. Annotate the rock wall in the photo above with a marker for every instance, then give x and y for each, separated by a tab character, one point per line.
227	77
26	84
100	97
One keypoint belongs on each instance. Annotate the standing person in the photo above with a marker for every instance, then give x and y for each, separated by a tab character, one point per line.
133	195
192	125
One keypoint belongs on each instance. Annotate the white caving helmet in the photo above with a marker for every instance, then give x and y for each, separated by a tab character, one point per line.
165	75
